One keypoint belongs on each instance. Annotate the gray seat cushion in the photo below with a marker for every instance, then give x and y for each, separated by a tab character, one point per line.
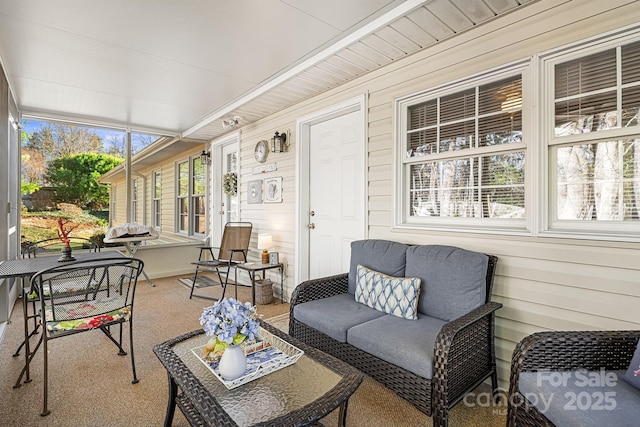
333	316
453	279
405	343
383	256
582	400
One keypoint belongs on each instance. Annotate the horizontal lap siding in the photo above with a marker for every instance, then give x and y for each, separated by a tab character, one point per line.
544	284
277	219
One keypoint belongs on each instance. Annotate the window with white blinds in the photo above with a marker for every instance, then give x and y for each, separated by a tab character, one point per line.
464	155
594	146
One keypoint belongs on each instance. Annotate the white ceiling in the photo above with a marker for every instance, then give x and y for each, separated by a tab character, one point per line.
179	67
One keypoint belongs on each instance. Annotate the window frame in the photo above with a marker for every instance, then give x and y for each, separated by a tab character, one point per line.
581	229
134	200
402	164
156	200
190	197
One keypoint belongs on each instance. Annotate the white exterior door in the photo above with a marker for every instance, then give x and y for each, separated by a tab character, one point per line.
336	192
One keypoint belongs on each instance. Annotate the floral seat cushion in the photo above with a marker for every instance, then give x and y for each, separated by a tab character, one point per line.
85	315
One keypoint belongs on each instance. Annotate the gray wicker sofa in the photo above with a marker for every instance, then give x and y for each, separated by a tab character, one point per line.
431	361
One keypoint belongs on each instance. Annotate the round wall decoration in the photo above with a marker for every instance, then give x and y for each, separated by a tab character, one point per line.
261	151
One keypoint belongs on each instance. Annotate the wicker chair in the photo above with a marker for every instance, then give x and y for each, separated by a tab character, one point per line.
464	354
564	351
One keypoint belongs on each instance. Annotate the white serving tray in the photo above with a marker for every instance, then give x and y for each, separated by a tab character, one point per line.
274	354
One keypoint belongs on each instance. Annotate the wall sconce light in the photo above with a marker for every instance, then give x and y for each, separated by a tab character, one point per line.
279	143
231	123
205	157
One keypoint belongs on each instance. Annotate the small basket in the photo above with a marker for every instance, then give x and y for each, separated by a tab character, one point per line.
264	291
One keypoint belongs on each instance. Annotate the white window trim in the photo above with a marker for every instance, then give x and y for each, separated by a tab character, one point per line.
549	227
538	136
178	197
191	215
476	225
134	199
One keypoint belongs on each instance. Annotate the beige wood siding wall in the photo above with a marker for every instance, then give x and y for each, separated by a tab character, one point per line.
543	283
277	219
145	198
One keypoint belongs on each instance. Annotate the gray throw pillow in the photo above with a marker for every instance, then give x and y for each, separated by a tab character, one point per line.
384	256
633	373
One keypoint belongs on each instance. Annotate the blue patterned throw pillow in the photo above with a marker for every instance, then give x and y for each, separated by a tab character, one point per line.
397	296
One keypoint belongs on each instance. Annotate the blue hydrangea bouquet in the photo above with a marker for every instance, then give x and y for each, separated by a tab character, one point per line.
228	322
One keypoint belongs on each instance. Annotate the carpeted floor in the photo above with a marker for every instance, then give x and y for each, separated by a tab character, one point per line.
90	386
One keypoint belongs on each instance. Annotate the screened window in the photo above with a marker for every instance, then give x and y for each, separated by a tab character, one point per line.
594	149
157	198
191	201
464	155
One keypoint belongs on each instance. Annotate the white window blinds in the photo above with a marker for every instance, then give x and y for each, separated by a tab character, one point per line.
596	144
464	153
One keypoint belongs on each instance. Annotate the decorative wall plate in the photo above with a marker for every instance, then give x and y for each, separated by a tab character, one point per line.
261	151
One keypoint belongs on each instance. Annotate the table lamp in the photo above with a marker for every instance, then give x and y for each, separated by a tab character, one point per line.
264	243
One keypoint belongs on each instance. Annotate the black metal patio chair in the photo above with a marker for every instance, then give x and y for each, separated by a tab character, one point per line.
83	296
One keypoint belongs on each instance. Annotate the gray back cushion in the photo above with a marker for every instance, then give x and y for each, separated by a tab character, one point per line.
380	255
453	279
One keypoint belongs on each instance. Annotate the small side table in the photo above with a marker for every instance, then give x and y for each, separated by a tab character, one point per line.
132	244
252	268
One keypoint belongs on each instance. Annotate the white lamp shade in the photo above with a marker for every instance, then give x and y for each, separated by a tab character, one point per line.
264	241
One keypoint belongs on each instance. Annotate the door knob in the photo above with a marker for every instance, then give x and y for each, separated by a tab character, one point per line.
312	226
221	212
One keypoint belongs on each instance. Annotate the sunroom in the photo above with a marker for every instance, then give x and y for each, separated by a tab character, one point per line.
506	127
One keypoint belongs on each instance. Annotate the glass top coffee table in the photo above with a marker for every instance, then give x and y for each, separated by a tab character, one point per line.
300	394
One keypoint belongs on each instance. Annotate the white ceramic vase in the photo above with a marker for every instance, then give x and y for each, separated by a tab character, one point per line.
233	363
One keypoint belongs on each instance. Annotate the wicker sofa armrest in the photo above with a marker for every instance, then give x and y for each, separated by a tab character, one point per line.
317	289
571	350
465	345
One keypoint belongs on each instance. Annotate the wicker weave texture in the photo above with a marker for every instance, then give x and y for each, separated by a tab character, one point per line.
564	351
201	408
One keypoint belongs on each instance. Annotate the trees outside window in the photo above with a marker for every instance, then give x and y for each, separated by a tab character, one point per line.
463	148
75	179
594	148
463	155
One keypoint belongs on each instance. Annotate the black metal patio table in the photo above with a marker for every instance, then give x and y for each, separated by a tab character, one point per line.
24	267
300	394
